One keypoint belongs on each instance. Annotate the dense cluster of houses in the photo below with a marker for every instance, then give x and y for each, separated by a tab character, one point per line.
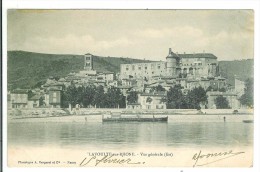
188	70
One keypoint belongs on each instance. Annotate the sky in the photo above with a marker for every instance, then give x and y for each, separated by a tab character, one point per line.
142	34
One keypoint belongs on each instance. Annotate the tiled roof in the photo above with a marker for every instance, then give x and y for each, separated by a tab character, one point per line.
55	89
35	97
124	87
133	104
154	94
172	55
217	93
20	91
198	55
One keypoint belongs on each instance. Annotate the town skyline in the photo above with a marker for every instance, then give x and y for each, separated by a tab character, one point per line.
228	34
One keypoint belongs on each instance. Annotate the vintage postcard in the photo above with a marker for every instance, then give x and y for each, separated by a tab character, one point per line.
130	88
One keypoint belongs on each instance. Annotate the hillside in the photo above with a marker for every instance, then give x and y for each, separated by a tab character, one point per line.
243	69
28	69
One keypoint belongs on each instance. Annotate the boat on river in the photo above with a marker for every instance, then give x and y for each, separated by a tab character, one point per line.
248	121
133	118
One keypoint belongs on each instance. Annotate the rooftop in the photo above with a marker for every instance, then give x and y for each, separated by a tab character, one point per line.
217	93
160	94
35	97
198	55
20	91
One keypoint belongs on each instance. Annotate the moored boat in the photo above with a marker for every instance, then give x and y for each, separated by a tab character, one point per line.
134	119
248	121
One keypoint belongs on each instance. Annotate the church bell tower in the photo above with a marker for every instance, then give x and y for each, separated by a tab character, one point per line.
88	62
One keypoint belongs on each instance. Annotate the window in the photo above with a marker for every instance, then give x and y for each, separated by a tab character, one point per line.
87	64
158	67
139	67
126	68
145	67
54	97
133	67
87	58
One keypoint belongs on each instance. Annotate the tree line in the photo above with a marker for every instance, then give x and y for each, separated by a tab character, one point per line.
92	96
175	98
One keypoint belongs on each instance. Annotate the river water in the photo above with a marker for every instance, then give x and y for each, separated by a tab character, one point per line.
130	135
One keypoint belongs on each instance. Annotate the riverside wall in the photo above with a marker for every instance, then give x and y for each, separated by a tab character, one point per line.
98	111
95	115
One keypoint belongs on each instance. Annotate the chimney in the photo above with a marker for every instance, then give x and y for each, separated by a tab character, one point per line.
170	51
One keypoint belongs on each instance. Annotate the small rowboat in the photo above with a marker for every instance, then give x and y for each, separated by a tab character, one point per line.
248	121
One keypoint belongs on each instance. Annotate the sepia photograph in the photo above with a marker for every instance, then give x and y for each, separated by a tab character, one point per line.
130	88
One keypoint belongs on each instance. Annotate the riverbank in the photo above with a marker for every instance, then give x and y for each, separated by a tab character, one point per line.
171	118
95	115
100	111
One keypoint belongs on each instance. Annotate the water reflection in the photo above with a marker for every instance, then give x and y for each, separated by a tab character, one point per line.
130	135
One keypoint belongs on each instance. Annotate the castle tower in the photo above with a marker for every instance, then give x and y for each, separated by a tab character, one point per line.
88	61
172	63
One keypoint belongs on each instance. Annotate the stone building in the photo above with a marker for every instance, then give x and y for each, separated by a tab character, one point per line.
34	101
176	66
88	62
143	70
19	98
230	96
152	100
155	100
239	87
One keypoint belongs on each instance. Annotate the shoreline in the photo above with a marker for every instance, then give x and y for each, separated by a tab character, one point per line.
95	115
171	118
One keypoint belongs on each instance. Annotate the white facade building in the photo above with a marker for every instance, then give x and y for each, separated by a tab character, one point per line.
176	66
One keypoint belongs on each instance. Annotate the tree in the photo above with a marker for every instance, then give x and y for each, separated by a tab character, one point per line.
222	89
122	103
196	97
30	94
174	97
99	97
221	103
158	88
210	88
163	99
72	95
114	98
132	97
80	95
41	101
248	97
149	100
89	95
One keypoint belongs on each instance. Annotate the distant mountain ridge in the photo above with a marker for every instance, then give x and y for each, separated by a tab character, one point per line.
242	69
29	69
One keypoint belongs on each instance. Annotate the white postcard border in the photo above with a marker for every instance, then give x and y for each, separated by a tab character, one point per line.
105	4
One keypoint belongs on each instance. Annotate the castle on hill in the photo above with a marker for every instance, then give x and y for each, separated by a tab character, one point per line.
191	66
